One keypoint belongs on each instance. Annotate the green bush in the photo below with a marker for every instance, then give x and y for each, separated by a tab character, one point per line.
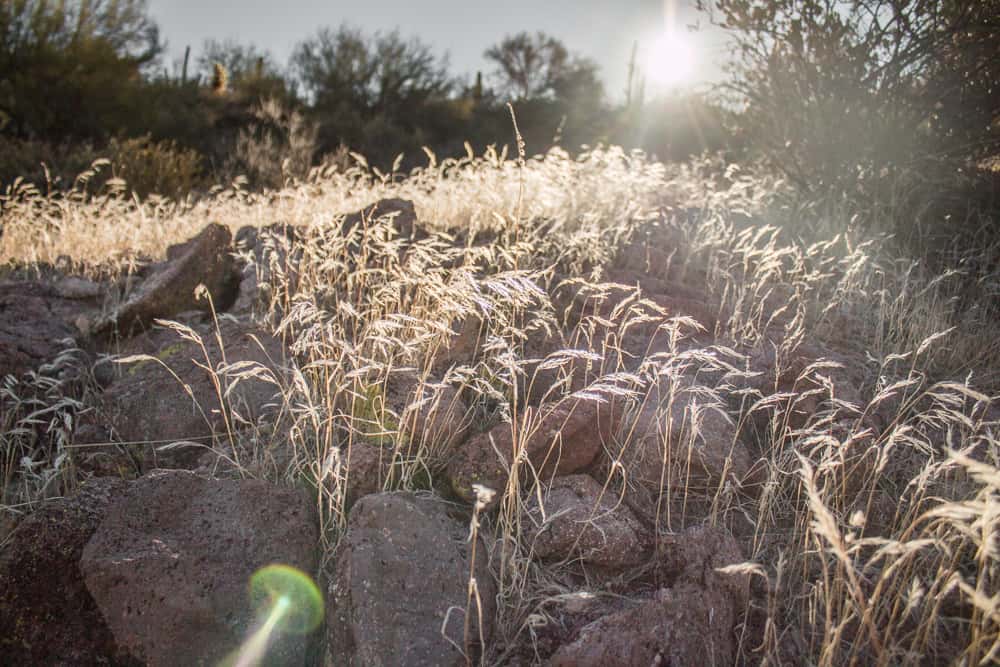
159	167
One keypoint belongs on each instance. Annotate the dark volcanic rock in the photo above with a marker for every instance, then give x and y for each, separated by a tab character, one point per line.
35	320
204	260
690	623
274	261
682	435
582	520
47	614
147	403
562	439
403	569
170	563
404	217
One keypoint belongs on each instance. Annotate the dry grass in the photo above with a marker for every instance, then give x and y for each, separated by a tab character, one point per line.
869	545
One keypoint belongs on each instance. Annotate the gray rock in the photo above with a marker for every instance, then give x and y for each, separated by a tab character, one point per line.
692	622
35	323
170	563
562	438
404	563
274	262
147	403
47	614
170	289
583	521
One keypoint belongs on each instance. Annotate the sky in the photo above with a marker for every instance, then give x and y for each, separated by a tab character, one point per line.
603	30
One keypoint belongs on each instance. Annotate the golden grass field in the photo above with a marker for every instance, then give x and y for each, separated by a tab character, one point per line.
867	545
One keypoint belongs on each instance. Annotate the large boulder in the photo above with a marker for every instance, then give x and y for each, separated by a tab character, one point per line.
691	622
558	439
401	576
205	260
171	396
578	519
47	614
38	321
169	565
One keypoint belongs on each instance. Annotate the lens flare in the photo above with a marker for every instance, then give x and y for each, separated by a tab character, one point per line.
283	586
287	601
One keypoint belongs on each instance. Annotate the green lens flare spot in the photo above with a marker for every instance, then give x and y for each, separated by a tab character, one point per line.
289	596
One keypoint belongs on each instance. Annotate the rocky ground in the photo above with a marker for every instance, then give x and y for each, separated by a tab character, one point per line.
175	432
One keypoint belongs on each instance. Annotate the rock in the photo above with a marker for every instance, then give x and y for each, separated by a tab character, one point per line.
660	250
811	375
561	439
146	403
690	623
404	568
401	211
432	417
364	470
462	347
630	315
695	555
582	520
74	287
203	260
408	415
683	625
47	614
36	325
275	253
685	439
170	563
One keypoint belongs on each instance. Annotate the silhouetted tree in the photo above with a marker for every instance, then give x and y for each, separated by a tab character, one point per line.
844	96
533	66
343	68
71	69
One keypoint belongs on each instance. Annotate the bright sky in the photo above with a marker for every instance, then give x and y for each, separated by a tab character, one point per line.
603	30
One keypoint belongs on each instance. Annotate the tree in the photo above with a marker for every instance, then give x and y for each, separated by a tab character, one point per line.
88	54
531	66
384	74
847	97
370	93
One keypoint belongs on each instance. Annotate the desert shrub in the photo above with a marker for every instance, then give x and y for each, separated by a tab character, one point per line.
45	164
160	167
883	107
279	144
87	56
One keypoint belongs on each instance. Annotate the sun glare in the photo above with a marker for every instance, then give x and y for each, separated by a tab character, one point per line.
670	60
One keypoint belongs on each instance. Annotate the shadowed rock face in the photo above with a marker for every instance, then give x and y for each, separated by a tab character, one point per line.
147	403
682	436
582	520
34	320
692	622
404	217
275	252
47	614
170	564
204	260
403	564
564	440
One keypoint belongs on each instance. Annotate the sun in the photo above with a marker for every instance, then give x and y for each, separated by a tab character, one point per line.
670	60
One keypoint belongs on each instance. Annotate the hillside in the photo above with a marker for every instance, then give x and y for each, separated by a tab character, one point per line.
553	411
